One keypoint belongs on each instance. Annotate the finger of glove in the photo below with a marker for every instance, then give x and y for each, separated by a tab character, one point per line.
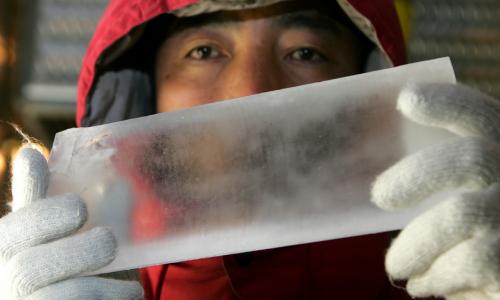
473	295
470	265
40	222
470	162
42	265
90	288
30	177
460	109
440	229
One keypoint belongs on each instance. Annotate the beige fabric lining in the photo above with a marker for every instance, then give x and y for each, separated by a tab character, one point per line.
364	25
207	6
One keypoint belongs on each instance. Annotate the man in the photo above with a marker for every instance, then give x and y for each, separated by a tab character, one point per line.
217	50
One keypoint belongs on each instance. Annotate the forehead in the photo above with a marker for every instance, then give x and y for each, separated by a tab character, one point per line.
320	15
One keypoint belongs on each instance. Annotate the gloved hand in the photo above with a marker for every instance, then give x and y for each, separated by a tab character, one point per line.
452	250
38	258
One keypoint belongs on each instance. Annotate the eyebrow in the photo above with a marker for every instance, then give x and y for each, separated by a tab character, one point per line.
309	20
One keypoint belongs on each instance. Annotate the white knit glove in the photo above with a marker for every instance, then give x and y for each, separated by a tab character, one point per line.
38	258
452	250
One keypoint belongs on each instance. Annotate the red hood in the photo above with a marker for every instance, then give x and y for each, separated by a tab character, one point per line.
376	18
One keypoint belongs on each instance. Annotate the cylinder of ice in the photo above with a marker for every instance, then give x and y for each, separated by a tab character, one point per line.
279	168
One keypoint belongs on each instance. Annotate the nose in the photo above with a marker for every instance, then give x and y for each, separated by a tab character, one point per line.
250	75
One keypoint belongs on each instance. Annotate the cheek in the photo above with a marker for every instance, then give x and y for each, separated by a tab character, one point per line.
343	64
175	94
310	76
302	76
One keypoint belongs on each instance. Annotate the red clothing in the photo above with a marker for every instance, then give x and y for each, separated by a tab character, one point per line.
350	268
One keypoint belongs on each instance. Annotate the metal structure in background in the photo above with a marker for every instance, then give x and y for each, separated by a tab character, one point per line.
60	34
466	30
63	31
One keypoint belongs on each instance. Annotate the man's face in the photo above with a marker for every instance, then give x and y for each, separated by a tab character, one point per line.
227	55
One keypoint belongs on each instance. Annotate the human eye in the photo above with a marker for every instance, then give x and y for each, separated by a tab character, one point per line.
306	54
204	52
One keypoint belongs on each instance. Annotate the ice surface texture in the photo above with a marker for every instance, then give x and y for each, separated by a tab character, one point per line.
279	168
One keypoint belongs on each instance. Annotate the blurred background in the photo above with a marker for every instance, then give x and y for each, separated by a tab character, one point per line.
42	43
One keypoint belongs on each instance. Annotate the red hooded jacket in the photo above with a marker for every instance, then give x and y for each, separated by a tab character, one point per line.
350	268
